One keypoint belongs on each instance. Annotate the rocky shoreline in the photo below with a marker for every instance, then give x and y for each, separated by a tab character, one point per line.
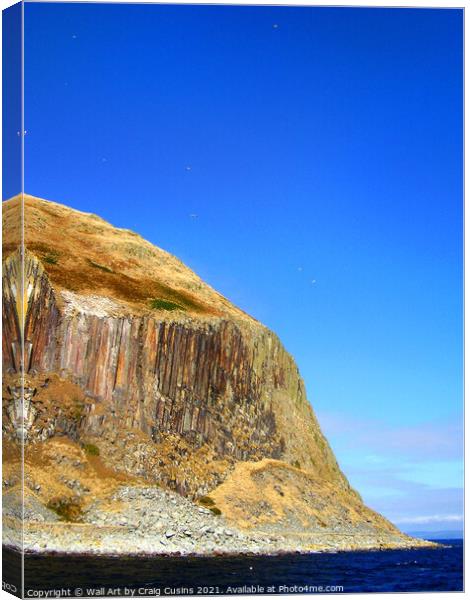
150	521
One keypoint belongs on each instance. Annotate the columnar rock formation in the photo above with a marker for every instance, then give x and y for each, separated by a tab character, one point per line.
127	351
210	381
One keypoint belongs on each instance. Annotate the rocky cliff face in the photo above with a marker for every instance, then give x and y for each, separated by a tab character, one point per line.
209	382
128	352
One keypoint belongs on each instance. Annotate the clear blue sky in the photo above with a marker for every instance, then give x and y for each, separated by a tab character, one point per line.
322	152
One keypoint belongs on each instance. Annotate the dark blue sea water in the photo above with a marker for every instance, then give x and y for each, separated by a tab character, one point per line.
386	571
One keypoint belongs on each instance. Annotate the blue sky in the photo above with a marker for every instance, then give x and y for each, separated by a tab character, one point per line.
321	150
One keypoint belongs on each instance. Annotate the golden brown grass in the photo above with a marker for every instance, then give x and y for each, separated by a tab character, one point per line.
83	253
273	493
51	466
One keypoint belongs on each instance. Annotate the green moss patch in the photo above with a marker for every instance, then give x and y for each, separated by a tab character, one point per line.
50	257
91	449
67	509
101	267
162	304
207	502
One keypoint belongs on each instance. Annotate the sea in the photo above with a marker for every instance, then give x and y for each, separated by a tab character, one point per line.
420	570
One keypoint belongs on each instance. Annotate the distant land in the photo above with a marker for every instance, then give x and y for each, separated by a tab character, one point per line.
443	534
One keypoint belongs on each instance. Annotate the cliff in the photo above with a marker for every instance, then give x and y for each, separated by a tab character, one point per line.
129	356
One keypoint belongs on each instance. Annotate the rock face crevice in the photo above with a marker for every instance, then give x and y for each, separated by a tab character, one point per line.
12	314
41	318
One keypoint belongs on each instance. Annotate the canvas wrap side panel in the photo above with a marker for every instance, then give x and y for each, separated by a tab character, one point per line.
12	300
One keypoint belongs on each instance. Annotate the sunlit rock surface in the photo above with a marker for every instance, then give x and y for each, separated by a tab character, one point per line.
137	372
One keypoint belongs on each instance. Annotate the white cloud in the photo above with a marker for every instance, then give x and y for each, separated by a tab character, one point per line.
423	520
413	475
426	441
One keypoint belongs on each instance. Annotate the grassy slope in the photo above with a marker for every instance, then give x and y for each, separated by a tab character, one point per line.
84	254
272	495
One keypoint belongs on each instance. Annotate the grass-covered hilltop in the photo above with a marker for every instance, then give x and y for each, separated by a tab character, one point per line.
159	417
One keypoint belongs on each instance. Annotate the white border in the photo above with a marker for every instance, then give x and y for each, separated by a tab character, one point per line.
352	3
